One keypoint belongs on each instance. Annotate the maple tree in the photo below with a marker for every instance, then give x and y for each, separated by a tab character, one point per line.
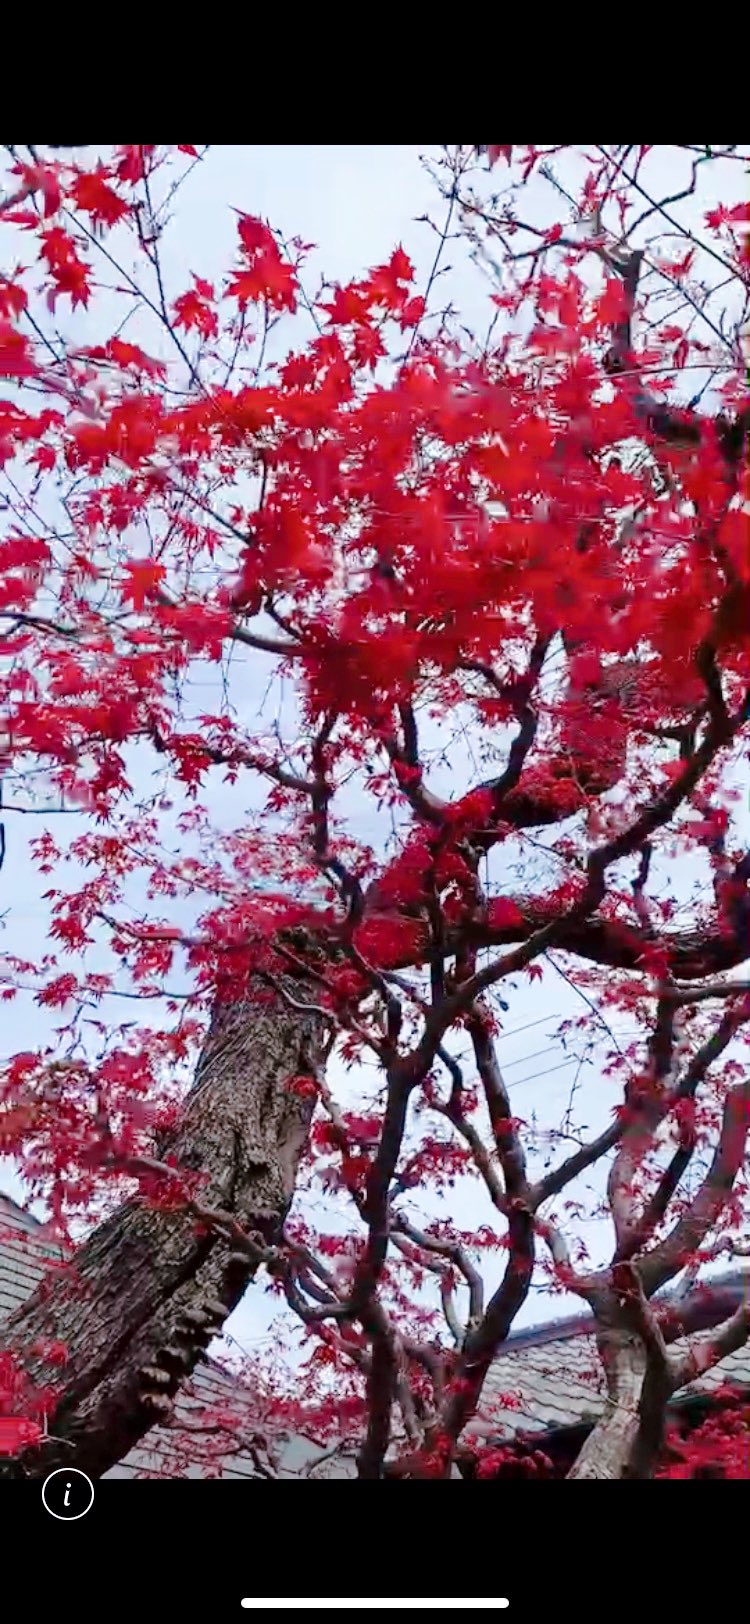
533	540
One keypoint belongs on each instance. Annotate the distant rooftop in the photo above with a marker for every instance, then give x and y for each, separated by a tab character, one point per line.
24	1255
550	1375
547	1378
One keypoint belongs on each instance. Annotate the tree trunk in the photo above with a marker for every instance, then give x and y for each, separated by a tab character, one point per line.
627	1441
610	1447
149	1290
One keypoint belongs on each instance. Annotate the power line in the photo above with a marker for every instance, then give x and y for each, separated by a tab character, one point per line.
528	1024
519	1080
535	1055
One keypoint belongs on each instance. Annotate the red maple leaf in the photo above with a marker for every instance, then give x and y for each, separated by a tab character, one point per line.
17	1433
267	278
70	274
144	576
42	178
93	194
13	297
132	163
16	355
195	309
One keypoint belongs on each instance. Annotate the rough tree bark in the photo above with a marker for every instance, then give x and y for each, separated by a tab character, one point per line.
149	1289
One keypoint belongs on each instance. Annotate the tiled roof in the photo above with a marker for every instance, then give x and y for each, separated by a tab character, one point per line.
23	1259
22	1256
193	1454
551	1378
545	1379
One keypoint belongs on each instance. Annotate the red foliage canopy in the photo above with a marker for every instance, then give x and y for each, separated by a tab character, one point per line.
498	588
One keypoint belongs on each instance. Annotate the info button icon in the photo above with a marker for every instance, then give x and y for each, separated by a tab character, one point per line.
67	1494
